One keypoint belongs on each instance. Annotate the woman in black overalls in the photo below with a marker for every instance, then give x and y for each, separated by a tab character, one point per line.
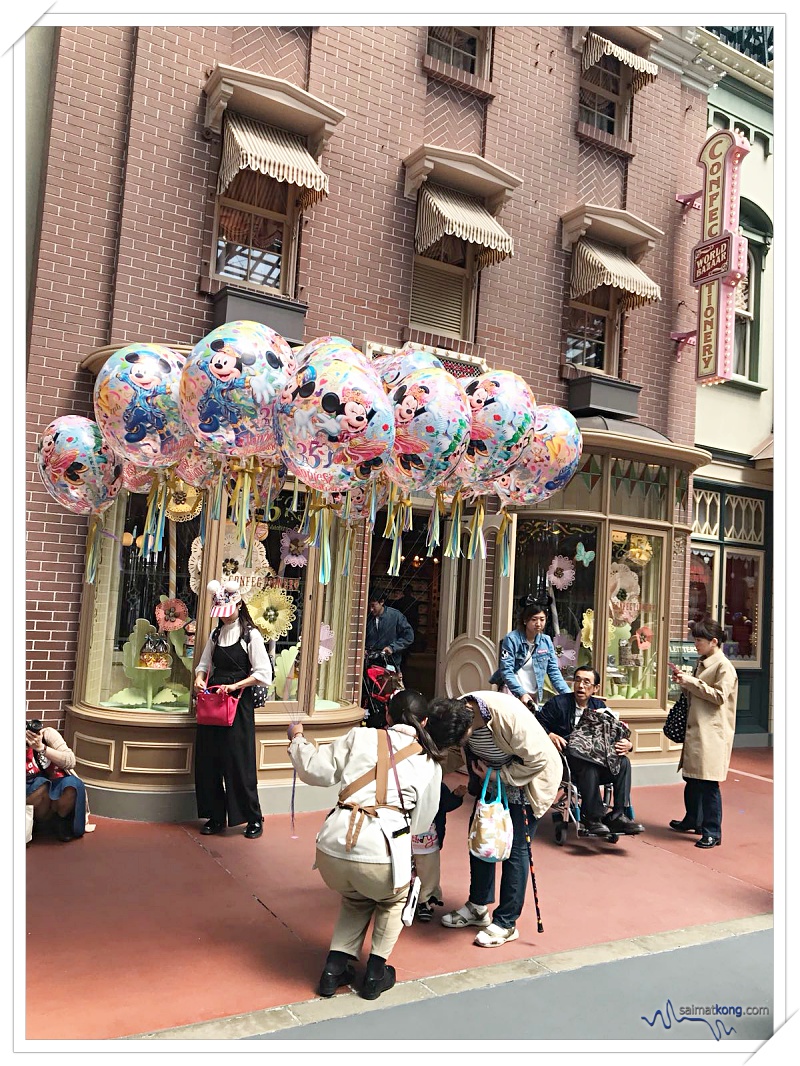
234	658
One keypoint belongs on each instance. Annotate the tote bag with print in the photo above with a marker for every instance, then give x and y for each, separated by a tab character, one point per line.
492	832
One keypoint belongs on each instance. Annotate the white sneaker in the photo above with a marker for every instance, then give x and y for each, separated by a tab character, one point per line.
495	935
469	914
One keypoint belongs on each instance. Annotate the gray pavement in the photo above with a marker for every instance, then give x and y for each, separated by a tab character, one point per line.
626	999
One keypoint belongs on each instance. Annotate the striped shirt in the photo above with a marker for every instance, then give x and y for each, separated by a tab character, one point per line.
481	744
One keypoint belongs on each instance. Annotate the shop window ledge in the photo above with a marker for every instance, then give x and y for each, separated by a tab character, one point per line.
284	315
599	394
617	145
461	79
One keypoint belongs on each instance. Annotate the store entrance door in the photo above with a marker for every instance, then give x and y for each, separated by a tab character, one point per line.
415	592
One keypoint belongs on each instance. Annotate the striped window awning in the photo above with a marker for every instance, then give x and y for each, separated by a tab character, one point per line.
600	264
442	211
252	145
595	47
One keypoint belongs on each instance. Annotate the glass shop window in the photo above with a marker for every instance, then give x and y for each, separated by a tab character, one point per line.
634	609
640	490
741	611
583	492
703	569
556	561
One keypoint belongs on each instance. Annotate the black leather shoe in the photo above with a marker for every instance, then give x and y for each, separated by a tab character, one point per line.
596	828
683	826
708	842
253	830
212	827
329	981
63	828
622	824
376	986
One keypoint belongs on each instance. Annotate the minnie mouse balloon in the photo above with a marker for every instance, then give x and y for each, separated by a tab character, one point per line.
334	424
78	468
393	369
548	461
136	405
229	384
431	429
502	409
360	506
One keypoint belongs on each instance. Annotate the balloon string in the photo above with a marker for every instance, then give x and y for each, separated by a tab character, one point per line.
348	550
216	499
504	542
453	547
291	808
373	503
476	539
92	550
296	495
391	507
325	554
434	523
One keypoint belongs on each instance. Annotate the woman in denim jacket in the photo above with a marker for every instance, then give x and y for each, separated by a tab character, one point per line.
526	656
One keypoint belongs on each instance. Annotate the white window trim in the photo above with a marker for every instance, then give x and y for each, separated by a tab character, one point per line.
483	57
613	318
470	280
622	102
291	222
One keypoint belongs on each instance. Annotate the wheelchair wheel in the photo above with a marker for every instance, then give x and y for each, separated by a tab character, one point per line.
612	838
562	829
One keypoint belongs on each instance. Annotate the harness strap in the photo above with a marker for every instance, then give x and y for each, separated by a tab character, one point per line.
380	774
357	816
354	786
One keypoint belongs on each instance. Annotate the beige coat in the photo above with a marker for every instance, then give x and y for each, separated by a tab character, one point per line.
711	721
516	731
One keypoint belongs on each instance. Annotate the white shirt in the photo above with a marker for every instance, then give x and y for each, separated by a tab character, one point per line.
229	634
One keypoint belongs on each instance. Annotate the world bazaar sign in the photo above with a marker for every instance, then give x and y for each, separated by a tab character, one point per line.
719	261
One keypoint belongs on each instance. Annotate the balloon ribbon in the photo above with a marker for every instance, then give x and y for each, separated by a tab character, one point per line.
504	541
434	522
92	549
476	539
402	523
349	533
453	547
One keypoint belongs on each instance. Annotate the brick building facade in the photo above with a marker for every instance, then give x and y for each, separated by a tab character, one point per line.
514	118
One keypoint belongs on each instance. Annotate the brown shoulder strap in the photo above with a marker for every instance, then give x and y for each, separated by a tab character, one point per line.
354	786
382	769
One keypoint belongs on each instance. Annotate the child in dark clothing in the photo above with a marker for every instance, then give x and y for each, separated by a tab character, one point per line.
426	849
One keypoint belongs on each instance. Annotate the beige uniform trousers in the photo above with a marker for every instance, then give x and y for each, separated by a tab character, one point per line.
366	889
429	870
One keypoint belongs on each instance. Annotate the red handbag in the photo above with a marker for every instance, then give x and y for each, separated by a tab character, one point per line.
214	708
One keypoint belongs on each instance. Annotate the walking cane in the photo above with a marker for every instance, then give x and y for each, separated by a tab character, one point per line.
539	926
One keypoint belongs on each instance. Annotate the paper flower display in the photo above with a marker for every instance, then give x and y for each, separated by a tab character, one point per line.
326	641
561	573
171	614
272	611
587	628
640	550
566	650
643	637
294	548
623	593
233	558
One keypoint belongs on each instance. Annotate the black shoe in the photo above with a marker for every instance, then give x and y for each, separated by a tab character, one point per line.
253	830
596	828
375	986
63	828
683	826
621	824
436	902
329	981
708	842
212	827
424	912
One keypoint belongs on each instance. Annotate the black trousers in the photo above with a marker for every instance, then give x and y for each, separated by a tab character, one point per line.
703	803
226	782
588	778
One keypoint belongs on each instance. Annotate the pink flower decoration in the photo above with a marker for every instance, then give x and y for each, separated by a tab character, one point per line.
561	573
294	548
171	614
644	637
566	650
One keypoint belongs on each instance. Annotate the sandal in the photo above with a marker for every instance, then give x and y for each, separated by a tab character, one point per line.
495	935
469	914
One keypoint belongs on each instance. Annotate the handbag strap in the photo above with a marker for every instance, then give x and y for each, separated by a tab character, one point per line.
370	775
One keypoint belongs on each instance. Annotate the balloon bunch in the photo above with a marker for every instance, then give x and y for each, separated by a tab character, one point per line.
243	410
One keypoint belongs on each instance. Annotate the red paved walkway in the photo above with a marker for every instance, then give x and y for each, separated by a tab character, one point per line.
166	927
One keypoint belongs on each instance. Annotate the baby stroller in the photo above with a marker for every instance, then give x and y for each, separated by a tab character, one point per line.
567	809
379	684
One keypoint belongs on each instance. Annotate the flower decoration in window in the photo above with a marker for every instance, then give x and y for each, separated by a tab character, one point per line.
623	593
326	642
294	548
233	559
587	628
171	614
582	555
561	573
640	549
566	650
644	637
273	612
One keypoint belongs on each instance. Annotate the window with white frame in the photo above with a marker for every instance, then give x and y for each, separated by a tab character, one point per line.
605	97
443	289
744	322
255	233
464	47
592	331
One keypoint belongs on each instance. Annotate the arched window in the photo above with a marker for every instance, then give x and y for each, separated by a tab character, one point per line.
757	227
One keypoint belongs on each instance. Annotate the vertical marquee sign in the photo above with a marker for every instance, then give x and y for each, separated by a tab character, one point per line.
719	261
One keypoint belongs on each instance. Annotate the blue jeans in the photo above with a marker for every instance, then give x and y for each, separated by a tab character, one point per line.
514	875
703	803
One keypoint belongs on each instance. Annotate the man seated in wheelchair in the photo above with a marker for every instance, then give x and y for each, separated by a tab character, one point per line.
595	743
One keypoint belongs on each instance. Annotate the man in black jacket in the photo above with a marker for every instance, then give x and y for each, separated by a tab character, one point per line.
387	630
559	717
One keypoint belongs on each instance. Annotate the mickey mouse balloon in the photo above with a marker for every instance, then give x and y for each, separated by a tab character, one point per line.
502	419
78	468
228	387
547	462
334	424
136	405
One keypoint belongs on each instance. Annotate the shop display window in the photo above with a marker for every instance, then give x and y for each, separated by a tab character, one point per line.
640	490
703	584
634	609
558	560
742	597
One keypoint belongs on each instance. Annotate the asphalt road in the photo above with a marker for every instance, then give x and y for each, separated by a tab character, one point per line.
642	998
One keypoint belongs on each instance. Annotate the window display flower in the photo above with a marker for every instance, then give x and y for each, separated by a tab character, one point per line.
566	651
644	637
587	629
640	550
561	573
234	556
623	593
326	641
294	548
273	612
171	615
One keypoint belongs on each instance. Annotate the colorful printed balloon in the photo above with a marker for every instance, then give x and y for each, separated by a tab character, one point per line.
78	468
503	410
303	354
432	420
336	348
135	478
136	405
229	384
548	461
334	424
196	469
361	500
393	369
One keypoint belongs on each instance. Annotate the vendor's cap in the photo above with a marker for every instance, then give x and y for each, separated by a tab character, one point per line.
227	598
